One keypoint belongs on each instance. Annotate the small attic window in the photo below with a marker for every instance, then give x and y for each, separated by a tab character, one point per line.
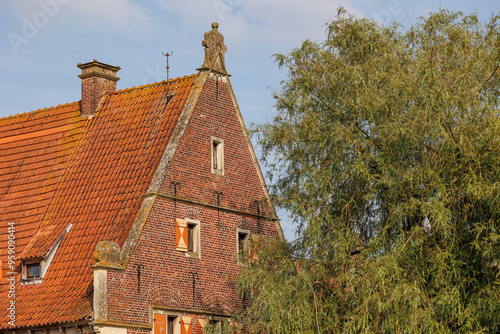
33	270
187	237
217	155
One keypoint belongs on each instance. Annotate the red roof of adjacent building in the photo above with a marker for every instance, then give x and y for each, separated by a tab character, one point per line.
59	171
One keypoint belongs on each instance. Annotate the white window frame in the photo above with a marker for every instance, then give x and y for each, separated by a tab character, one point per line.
217	156
177	323
25	270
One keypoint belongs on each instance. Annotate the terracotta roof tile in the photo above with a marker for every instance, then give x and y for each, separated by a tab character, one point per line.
57	169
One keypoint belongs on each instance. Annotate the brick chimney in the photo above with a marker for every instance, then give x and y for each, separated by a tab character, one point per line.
97	79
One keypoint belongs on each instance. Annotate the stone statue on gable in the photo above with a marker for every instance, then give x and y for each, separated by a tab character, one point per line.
214	50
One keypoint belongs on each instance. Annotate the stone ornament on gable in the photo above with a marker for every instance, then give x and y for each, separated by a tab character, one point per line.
107	254
214	50
192	213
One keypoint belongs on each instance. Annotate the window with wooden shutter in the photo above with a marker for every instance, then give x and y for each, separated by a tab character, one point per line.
160	322
187	237
186	325
238	328
254	246
166	323
181	235
201	324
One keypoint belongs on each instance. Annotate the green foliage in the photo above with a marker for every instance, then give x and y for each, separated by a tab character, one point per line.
386	141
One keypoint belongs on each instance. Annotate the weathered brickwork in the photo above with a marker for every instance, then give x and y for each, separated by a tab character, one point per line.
97	80
166	275
240	185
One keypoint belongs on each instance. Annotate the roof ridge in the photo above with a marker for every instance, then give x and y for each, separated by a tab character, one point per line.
164	82
40	110
37	111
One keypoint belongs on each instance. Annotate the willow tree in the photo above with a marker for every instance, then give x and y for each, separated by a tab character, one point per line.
385	149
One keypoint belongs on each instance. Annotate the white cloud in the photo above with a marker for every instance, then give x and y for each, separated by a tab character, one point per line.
112	16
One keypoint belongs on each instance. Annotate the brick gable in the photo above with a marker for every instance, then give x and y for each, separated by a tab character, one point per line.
166	282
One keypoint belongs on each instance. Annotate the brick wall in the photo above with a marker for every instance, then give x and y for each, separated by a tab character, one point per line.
240	184
166	279
93	90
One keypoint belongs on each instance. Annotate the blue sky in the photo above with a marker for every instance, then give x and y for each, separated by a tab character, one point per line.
41	41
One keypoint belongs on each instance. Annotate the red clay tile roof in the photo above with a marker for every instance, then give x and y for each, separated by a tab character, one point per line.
58	169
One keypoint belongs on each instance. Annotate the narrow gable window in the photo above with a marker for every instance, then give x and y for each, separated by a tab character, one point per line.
217	156
190	237
242	246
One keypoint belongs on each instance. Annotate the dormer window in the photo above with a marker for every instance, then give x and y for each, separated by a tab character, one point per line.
217	156
32	270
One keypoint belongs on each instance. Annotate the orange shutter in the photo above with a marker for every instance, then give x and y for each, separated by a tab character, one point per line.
160	324
254	247
181	235
186	325
202	323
